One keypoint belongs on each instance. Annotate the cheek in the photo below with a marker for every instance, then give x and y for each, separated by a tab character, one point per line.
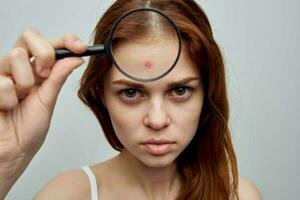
186	119
188	127
126	121
122	126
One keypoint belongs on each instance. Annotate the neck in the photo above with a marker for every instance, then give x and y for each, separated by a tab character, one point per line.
155	182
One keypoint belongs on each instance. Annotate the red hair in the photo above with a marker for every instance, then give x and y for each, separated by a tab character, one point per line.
208	165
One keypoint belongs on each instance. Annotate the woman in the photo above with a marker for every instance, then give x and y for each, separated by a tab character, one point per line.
172	133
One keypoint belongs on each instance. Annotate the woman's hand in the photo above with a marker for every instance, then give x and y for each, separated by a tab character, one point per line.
28	92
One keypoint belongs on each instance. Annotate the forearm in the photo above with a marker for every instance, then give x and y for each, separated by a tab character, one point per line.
6	185
10	171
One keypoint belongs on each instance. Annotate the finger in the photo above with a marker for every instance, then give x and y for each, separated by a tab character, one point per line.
71	42
50	88
39	47
18	67
8	96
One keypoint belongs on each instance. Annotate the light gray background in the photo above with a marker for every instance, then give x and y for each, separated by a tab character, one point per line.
260	43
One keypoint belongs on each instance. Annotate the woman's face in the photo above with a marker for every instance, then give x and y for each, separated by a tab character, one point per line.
155	121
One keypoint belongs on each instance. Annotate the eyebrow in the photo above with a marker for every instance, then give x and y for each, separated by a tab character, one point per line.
141	86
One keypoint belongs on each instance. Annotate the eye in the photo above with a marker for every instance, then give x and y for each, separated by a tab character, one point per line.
130	95
181	93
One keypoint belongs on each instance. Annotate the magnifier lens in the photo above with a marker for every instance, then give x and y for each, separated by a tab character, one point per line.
145	45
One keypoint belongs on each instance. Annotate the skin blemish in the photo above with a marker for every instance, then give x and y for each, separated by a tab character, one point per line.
148	64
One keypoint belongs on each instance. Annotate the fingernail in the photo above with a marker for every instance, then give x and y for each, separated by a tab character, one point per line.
45	72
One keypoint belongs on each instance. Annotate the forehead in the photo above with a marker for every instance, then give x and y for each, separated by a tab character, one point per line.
147	57
185	67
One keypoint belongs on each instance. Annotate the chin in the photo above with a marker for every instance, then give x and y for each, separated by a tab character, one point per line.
157	161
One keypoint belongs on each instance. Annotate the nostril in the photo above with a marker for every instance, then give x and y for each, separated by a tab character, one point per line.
157	122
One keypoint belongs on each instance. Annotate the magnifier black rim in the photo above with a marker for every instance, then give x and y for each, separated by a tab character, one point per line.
114	28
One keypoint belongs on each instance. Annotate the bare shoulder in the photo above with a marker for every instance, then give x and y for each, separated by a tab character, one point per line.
72	184
247	190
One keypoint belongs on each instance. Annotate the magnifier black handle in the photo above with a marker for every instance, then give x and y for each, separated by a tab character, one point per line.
91	50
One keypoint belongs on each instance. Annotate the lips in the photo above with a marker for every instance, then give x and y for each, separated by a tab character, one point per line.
158	147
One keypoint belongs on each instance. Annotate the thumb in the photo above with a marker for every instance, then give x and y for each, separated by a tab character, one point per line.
51	87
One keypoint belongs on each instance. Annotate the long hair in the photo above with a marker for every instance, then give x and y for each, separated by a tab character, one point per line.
208	165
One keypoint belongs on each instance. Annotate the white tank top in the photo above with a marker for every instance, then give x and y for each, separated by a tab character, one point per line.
93	182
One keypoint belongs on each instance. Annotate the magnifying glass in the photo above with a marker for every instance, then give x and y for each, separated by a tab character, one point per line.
142	50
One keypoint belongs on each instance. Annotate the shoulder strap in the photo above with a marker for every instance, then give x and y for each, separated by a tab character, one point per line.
93	182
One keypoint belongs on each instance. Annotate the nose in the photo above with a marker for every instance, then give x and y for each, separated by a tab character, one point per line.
157	117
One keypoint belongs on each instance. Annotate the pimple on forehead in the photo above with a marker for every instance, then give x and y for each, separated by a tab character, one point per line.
148	64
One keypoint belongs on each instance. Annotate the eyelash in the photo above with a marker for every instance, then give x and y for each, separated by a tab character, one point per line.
178	98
